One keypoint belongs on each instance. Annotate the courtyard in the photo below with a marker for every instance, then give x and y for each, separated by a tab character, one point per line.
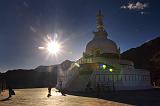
38	97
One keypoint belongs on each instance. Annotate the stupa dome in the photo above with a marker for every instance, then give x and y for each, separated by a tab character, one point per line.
100	43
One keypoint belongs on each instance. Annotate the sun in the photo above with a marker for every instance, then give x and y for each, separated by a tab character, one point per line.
53	47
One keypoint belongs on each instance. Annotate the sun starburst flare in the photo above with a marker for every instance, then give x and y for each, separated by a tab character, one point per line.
52	46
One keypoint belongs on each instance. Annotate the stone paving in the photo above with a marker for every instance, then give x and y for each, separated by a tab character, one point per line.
38	97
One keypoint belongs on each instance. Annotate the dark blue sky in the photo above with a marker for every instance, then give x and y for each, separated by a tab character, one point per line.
25	23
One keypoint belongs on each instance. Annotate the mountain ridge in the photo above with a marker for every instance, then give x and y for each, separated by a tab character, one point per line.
41	76
146	56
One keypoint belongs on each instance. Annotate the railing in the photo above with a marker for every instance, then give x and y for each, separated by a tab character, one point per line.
126	62
97	60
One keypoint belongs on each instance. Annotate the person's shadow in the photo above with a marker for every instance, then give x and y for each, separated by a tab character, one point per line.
5	99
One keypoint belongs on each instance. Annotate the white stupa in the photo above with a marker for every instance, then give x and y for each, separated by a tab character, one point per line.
100	42
102	66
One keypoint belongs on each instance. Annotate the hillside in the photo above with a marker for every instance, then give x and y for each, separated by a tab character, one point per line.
146	56
42	76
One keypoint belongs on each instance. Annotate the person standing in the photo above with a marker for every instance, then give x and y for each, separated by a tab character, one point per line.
49	91
11	92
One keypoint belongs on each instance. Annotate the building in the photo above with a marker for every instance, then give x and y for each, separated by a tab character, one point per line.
101	66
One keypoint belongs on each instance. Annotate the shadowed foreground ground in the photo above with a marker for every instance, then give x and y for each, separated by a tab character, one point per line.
38	97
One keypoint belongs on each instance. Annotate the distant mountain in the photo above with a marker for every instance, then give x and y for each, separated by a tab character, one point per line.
46	68
42	76
146	56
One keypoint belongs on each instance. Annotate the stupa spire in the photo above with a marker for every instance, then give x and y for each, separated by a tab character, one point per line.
99	21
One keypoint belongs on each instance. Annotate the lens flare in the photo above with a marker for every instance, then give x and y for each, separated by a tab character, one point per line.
53	47
41	48
111	70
